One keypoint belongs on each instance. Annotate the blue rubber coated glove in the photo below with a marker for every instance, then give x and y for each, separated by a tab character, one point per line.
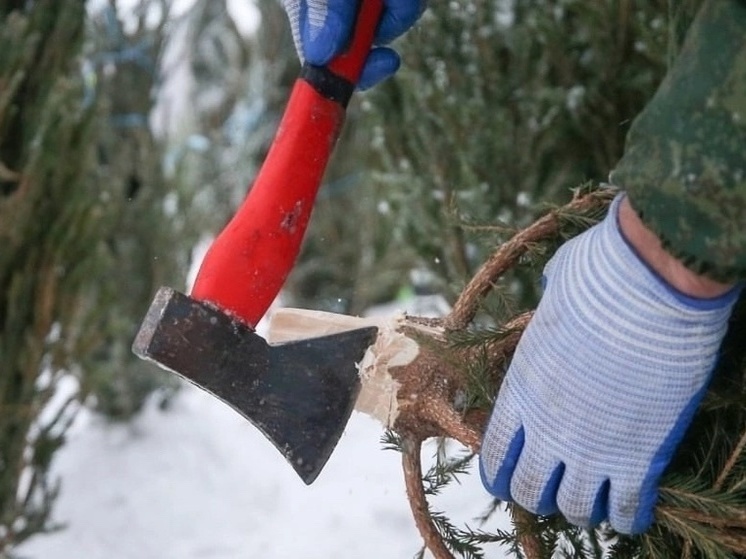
321	29
602	387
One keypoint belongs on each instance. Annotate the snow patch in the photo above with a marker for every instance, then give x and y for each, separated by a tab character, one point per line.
198	481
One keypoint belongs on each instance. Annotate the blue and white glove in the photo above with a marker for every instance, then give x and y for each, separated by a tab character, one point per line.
602	387
321	29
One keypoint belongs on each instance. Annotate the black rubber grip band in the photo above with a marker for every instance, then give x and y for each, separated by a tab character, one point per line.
328	84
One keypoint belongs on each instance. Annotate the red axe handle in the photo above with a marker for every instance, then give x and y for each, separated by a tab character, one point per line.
248	263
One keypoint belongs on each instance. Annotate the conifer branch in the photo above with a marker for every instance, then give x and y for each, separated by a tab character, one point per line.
429	385
737	518
526	536
411	463
442	414
508	254
731	462
499	350
701	530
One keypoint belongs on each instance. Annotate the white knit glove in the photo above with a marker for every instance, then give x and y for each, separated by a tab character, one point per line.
603	385
321	30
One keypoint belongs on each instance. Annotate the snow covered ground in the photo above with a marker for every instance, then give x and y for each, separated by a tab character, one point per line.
199	482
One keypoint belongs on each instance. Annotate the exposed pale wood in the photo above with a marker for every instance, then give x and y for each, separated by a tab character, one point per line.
392	349
289	324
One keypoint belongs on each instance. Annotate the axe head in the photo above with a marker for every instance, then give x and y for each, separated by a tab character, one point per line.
299	394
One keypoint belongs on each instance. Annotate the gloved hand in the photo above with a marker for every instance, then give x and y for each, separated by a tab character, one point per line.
321	29
602	387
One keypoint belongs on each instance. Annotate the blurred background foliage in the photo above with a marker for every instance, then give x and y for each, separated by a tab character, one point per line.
499	109
128	135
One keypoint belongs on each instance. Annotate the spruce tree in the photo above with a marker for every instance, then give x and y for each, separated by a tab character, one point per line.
86	234
47	226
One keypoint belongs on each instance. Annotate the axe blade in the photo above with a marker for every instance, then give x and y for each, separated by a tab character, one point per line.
299	394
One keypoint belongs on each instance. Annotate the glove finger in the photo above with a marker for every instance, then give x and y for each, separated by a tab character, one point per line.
325	28
628	514
398	16
632	504
497	466
536	480
502	445
583	501
382	63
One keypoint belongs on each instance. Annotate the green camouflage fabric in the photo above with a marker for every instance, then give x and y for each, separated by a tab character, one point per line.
684	165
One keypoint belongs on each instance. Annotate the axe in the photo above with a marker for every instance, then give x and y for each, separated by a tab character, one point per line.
300	394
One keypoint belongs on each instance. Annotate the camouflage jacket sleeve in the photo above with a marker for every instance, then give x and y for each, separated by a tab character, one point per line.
684	165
